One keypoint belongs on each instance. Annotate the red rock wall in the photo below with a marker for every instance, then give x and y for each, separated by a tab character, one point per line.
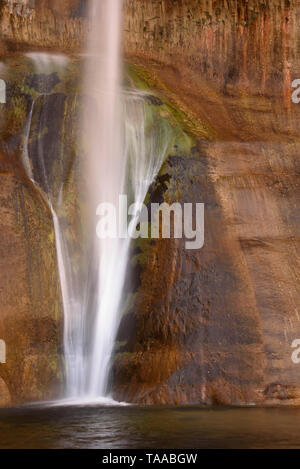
42	24
216	326
236	44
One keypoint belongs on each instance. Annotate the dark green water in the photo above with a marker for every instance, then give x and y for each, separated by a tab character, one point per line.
147	428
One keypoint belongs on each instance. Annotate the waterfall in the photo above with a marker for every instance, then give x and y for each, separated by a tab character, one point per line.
106	173
142	152
25	154
46	63
121	159
126	144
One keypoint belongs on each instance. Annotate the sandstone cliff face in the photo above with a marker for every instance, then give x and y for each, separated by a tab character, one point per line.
213	326
30	316
216	326
42	23
236	44
39	117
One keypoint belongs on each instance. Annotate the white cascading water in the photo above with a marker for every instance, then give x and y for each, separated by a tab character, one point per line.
46	63
126	146
25	153
106	170
121	160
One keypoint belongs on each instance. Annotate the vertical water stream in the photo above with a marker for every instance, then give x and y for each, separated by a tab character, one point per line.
124	152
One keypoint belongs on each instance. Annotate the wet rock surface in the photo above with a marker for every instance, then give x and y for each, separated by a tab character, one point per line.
30	316
44	122
216	326
198	337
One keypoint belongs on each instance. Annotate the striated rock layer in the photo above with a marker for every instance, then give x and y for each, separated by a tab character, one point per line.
238	45
42	23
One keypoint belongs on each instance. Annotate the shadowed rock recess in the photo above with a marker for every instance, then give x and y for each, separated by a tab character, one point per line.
213	326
